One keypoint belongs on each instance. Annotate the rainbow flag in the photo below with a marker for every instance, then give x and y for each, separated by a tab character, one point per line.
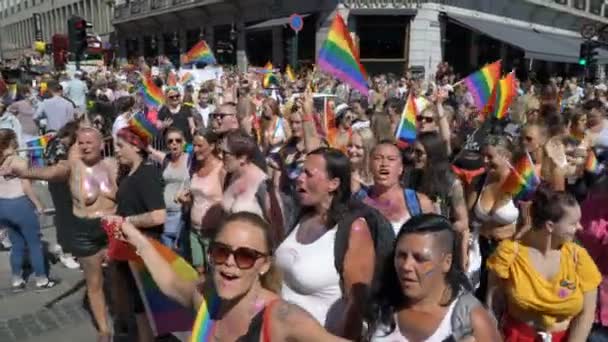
153	95
591	164
522	180
338	57
186	78
200	53
291	76
406	131
503	95
36	148
482	82
269	80
268	66
204	324
164	314
143	126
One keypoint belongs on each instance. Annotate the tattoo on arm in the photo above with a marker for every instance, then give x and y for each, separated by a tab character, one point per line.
143	220
457	195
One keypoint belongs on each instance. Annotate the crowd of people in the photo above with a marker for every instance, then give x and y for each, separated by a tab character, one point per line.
305	232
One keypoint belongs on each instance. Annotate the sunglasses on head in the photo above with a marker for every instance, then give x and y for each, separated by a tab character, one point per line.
171	141
425	119
244	257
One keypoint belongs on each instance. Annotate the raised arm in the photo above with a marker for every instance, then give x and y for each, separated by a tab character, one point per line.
169	283
57	172
156	155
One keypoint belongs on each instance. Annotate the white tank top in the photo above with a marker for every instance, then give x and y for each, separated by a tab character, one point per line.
310	279
443	331
397	224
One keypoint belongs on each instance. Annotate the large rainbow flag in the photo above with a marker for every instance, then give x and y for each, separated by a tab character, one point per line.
406	131
153	95
200	53
522	180
339	58
503	95
482	82
165	315
36	148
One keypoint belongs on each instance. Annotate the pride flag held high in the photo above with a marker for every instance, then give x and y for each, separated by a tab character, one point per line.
153	95
406	131
143	126
503	96
200	53
164	314
523	180
36	148
482	82
338	57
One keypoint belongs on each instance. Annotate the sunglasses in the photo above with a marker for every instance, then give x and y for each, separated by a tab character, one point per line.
425	119
221	115
244	257
171	141
174	97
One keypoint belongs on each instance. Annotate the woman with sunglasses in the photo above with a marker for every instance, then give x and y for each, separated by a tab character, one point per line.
433	177
308	257
433	118
242	282
140	202
425	295
176	178
174	114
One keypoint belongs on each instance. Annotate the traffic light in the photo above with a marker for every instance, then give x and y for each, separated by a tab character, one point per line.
77	35
588	53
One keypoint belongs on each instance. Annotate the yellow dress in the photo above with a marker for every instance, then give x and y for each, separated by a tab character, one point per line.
560	298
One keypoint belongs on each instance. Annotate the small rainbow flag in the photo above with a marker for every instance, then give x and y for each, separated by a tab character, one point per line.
200	53
291	76
153	95
591	164
141	125
36	148
522	181
165	315
268	66
204	324
186	78
503	95
406	131
338	57
482	82
269	80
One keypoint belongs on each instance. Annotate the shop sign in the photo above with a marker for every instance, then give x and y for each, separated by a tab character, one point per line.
381	3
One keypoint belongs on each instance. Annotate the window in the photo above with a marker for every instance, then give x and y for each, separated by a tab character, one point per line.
580	4
595	6
382	36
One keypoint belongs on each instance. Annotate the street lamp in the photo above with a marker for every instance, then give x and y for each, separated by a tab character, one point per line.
233	33
175	40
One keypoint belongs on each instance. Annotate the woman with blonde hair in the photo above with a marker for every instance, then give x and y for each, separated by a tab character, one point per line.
359	149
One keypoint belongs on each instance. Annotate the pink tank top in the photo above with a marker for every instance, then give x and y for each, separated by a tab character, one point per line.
206	192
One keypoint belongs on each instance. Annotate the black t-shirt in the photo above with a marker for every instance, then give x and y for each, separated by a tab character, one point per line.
140	193
180	120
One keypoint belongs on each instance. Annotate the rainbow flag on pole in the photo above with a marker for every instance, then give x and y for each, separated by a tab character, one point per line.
482	82
153	95
406	131
503	96
339	58
523	180
36	148
143	126
165	315
200	53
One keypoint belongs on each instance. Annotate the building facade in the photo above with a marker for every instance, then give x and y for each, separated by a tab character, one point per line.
24	21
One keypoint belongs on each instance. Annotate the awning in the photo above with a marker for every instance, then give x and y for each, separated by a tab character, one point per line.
272	23
537	45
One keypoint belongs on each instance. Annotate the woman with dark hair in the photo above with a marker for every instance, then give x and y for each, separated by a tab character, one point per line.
425	294
241	286
18	212
308	257
139	201
124	108
432	176
204	196
545	285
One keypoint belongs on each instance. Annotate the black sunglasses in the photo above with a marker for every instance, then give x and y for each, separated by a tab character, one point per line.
425	119
221	115
174	97
244	257
171	141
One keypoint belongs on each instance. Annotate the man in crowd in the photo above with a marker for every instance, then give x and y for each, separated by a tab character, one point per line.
56	110
76	90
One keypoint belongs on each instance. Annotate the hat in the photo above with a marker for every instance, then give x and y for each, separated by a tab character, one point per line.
341	109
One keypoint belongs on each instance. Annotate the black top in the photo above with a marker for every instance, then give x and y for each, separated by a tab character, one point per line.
140	193
180	120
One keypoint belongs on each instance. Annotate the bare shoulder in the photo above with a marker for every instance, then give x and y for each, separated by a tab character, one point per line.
426	204
286	313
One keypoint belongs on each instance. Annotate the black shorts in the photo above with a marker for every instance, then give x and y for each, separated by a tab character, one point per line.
87	237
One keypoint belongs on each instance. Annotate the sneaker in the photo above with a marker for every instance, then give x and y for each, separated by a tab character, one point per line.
45	284
5	243
18	285
69	262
